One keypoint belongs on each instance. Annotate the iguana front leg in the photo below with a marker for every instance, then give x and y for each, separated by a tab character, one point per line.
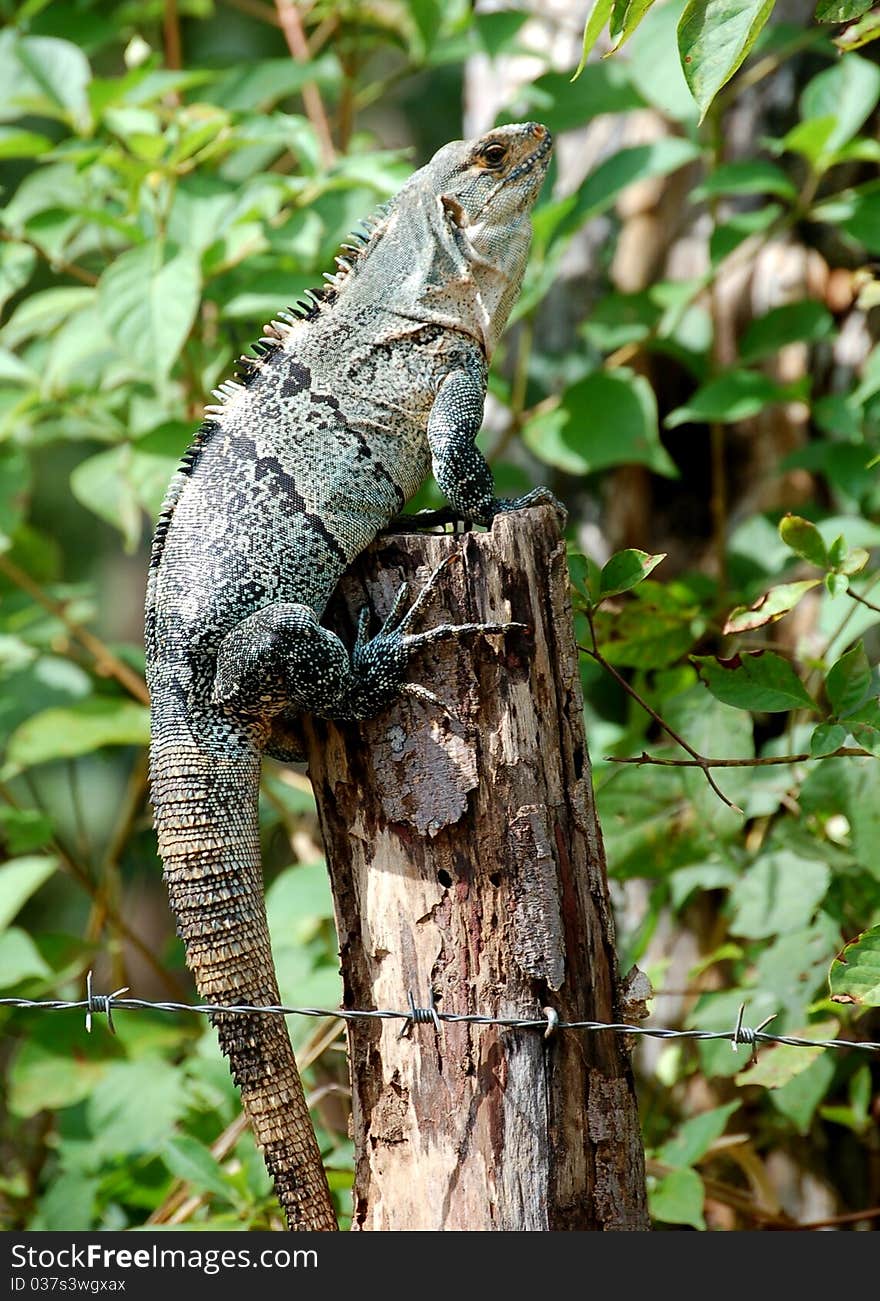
459	466
280	659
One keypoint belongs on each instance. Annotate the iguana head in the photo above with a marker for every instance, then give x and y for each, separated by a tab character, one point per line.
452	246
485	190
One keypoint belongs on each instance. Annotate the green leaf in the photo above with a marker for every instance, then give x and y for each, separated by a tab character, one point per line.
804	539
761	681
79	729
867	29
56	77
848	682
19	879
259	84
847	92
599	16
836	584
778	893
191	1161
778	1064
737	395
714	37
807	321
696	1135
841	11
826	738
628	14
20	959
747	176
677	1198
775	603
603	87
655	67
625	570
149	304
608	418
855	972
601	188
798	1099
15	483
104	484
120	1123
297	903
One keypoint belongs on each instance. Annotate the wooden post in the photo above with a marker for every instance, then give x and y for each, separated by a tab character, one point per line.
467	864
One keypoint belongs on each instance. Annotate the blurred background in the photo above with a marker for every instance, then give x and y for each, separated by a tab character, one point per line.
692	366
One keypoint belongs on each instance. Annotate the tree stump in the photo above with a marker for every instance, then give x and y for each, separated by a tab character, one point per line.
467	866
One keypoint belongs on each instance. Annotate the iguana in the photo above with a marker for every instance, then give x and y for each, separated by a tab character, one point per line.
331	427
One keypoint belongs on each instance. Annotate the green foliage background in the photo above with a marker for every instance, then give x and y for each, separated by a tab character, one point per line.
172	176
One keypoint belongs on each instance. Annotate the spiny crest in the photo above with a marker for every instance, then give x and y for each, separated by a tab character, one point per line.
313	302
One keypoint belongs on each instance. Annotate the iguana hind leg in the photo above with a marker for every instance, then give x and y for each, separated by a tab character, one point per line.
280	659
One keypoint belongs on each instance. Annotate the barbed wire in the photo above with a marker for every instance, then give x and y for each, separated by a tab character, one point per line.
548	1024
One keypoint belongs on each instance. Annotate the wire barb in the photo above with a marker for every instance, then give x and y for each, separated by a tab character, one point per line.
742	1034
421	1015
101	1003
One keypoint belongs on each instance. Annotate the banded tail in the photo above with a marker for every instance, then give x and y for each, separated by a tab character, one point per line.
206	817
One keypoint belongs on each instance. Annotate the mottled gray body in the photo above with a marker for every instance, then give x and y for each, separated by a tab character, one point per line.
334	428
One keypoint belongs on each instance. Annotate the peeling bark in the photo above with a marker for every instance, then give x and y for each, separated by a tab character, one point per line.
467	863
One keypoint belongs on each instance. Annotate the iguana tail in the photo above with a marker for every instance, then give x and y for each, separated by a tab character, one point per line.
206	818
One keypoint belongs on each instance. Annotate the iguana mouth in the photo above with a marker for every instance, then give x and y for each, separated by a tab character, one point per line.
527	164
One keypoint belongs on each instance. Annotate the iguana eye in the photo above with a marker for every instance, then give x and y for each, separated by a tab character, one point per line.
495	154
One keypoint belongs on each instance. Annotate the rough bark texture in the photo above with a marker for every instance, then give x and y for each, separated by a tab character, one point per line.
467	863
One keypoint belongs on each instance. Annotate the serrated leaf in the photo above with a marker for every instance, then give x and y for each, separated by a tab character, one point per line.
826	738
714	37
855	972
775	603
79	729
19	879
677	1198
761	681
625	570
804	539
148	302
848	682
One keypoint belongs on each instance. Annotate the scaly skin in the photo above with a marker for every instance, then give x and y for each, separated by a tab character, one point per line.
333	428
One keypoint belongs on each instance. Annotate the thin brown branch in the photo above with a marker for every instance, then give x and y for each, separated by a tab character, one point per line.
698	760
862	601
107	664
171	35
57	264
294	35
701	762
